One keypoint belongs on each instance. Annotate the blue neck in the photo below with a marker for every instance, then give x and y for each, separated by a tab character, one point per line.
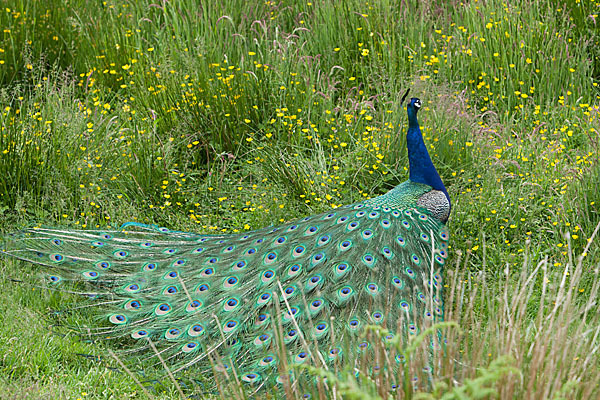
421	167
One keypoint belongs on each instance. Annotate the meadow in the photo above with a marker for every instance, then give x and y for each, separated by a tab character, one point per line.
228	116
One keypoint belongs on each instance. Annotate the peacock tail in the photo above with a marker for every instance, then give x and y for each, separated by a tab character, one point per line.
238	298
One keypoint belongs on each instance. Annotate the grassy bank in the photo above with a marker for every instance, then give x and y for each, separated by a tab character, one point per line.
231	116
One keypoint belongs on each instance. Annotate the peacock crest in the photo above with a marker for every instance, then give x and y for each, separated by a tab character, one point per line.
321	278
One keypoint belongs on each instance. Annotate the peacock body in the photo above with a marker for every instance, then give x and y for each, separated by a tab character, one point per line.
238	298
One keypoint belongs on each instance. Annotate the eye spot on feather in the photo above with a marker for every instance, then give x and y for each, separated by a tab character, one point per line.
373	214
294	270
120	254
377	317
169	251
202	288
412	329
195	330
231	281
367	234
103	265
231	304
91	275
57	242
269	274
251	378
298	251
262	340
341	270
230	326
162	309
401	241
133	288
397	282
57	257
171	290
118	319
368	260
363	346
372	288
190	347
311	231
139	334
301	357
270	258
133	305
324	240
405	305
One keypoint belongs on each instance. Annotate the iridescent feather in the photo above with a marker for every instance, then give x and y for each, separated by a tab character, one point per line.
376	262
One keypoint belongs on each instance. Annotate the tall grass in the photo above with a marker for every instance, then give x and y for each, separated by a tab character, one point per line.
229	116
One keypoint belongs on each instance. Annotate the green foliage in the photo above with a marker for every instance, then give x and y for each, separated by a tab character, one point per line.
232	116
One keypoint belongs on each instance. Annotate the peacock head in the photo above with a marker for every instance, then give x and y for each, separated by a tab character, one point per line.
414	105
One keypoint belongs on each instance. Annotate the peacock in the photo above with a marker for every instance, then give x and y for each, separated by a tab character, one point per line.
240	298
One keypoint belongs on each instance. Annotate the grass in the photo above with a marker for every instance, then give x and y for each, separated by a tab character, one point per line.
229	117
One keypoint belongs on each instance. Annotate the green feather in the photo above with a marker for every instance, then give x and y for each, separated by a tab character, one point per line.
318	277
